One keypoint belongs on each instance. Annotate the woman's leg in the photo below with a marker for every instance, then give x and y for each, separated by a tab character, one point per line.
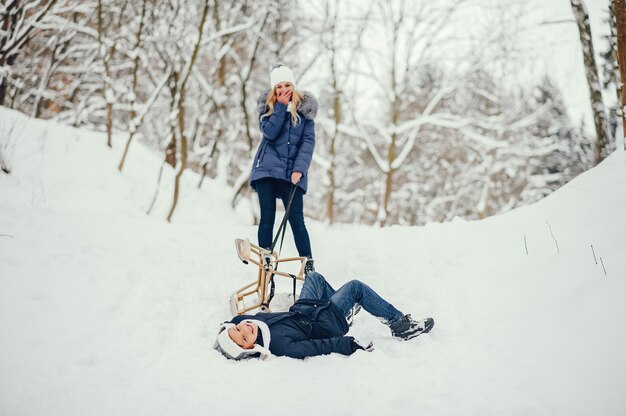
356	292
316	287
296	218
266	190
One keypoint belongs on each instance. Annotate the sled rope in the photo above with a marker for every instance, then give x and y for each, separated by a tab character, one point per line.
281	233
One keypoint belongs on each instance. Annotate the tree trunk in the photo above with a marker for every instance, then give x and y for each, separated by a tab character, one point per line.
619	7
106	84
11	45
9	21
394	117
109	124
210	156
602	147
330	192
45	80
391	156
337	115
170	149
156	190
244	83
179	174
245	77
133	124
222	72
183	153
181	112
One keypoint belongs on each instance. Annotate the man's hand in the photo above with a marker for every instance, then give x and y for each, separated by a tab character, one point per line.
295	177
358	345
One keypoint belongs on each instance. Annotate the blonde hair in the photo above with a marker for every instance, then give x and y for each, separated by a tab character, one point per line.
296	99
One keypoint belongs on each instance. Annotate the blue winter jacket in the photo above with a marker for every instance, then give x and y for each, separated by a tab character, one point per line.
285	148
310	327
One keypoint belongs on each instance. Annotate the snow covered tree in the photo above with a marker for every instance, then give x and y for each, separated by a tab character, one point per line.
337	28
273	39
215	76
135	52
610	71
619	7
602	148
415	124
41	60
519	147
19	22
406	101
411	35
557	151
179	48
111	18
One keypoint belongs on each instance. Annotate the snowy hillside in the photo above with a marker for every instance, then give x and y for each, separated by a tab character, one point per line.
107	311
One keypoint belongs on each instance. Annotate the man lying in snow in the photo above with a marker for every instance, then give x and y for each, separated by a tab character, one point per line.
316	324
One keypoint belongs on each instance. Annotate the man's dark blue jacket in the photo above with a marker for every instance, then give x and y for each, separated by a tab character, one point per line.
310	327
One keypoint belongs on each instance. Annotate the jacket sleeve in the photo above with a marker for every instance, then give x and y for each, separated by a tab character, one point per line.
270	126
313	347
305	153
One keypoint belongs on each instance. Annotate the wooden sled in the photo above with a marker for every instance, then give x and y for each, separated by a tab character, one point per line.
257	293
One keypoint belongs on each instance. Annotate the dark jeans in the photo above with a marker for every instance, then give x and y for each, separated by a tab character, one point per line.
268	190
316	287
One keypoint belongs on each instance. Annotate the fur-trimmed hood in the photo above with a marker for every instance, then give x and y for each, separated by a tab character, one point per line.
308	105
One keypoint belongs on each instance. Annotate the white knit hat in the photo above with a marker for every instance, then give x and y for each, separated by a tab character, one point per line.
231	350
282	74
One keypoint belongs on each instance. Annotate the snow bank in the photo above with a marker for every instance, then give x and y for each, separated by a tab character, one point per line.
104	310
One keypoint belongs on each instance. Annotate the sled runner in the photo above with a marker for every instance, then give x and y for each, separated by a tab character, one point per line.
259	293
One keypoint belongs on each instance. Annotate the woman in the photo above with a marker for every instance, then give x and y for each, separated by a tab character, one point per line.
284	156
316	324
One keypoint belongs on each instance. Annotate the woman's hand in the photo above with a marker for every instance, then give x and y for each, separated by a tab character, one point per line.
283	96
295	177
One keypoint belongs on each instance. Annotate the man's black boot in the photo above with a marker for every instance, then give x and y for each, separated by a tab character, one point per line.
408	328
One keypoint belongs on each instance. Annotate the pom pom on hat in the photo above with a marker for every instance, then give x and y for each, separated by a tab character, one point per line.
282	73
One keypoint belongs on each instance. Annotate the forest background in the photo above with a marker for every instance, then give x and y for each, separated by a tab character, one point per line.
428	110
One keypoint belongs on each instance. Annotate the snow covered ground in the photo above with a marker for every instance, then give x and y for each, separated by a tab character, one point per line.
107	311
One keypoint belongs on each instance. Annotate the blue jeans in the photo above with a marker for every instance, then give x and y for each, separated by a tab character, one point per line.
268	190
352	293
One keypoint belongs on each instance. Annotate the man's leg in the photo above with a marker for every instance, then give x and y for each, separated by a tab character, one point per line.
356	292
316	287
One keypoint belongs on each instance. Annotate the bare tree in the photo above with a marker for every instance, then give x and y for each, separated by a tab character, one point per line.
332	17
340	29
18	21
272	39
602	148
135	122
108	39
619	7
416	122
179	106
414	33
218	71
61	50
